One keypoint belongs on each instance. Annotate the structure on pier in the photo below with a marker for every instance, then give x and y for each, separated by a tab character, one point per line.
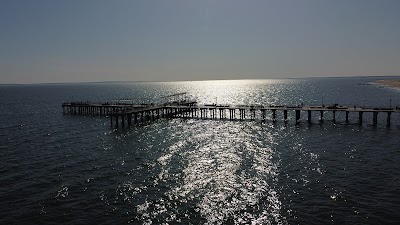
130	114
179	97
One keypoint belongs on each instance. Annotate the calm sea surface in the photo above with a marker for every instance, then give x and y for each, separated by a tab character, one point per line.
60	169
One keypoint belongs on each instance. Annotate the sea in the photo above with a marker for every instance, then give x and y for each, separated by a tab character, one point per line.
70	169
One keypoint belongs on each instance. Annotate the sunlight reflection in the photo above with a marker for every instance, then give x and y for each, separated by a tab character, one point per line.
229	174
237	92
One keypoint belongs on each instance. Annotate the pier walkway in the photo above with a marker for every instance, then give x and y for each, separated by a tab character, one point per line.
130	114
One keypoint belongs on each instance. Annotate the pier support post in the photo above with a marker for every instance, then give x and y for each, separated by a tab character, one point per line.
221	114
285	115
297	116
321	116
129	120
334	116
388	119
242	113
273	115
309	116
375	119
263	114
347	117
360	117
116	121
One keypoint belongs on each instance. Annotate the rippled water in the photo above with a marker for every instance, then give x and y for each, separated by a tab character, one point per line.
77	170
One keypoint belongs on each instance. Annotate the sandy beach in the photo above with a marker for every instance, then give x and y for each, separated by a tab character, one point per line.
390	83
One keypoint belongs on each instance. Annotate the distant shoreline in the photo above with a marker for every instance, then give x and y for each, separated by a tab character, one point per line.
382	81
389	83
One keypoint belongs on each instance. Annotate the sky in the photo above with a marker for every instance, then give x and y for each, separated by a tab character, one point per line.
47	41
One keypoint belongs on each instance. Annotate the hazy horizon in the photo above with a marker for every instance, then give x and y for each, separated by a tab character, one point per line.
100	41
384	77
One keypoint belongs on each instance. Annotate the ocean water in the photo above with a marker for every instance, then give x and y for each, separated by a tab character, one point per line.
61	169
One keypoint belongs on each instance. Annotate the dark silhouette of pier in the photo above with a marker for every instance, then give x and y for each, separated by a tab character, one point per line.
127	114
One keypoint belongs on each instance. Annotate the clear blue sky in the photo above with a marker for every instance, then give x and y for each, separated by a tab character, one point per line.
98	40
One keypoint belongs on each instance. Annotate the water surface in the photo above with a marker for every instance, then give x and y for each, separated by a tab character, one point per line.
78	170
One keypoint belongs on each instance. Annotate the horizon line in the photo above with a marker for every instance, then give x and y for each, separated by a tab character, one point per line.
155	81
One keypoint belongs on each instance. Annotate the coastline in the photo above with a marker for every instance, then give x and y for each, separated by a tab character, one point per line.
389	83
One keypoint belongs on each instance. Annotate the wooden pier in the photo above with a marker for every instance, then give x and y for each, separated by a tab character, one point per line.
124	114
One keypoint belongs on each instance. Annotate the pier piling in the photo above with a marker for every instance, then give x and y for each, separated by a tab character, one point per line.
375	118
273	115
297	116
285	115
334	116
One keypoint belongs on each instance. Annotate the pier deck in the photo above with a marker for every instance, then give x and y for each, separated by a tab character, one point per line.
119	113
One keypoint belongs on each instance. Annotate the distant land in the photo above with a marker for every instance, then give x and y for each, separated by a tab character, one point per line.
388	80
390	83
